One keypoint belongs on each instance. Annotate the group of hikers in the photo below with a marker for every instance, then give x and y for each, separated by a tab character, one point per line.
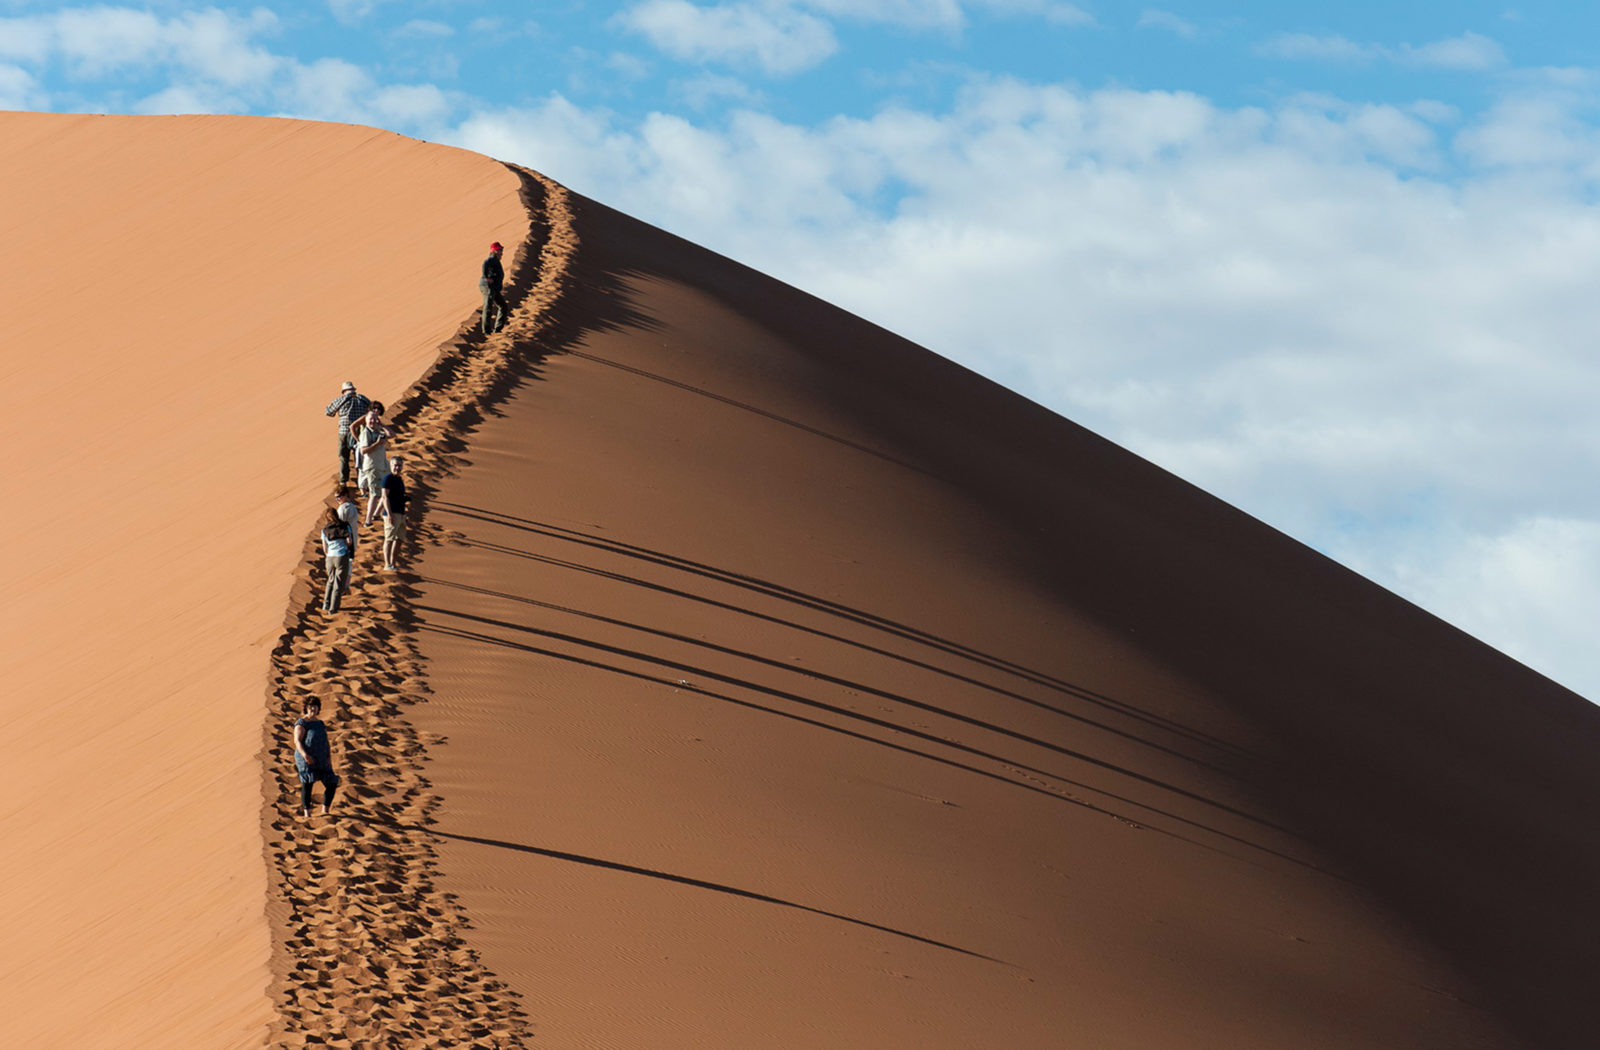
366	439
366	443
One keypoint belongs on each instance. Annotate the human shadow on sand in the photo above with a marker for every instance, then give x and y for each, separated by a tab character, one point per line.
681	880
685	685
860	617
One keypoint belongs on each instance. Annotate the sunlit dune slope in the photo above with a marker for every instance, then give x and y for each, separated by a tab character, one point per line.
802	689
179	299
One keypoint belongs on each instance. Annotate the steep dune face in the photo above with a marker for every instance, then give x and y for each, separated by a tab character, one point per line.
179	298
803	689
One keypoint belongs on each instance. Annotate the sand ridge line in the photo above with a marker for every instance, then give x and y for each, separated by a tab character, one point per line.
368	947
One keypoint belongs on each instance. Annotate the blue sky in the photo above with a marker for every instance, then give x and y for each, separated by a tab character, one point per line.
1336	263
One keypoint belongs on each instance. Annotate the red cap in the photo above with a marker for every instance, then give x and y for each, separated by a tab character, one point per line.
495	247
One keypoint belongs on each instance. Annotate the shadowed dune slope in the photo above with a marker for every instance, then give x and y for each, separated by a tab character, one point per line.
801	688
179	298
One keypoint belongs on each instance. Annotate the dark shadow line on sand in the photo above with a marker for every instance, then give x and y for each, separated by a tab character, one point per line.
823	605
486	639
823	676
745	406
919	705
682	880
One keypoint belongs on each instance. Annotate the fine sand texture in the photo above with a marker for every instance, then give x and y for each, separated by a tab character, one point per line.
180	297
789	686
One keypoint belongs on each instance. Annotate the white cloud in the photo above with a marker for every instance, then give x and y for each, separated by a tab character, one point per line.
783	37
630	66
409	105
1331	128
702	91
97	42
1326	48
777	39
914	14
1434	112
1253	298
333	89
211	62
27	39
1469	51
183	98
1528	132
1540	124
18	89
1054	11
1151	19
350	12
1506	585
425	29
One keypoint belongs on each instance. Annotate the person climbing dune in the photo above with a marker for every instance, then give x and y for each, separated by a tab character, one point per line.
337	547
313	757
350	514
494	276
394	515
372	454
349	406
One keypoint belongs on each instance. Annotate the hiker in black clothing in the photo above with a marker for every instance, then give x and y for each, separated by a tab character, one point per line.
394	515
493	276
313	759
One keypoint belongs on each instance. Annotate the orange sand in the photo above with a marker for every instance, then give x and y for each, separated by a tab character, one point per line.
179	298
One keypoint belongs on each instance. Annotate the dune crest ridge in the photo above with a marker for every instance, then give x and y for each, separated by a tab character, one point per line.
369	948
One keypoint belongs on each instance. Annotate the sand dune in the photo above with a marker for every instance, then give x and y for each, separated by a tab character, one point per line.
757	679
179	298
802	689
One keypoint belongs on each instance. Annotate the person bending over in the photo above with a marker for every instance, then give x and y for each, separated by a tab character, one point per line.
313	759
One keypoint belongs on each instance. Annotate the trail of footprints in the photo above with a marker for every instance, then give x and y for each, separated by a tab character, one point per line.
373	952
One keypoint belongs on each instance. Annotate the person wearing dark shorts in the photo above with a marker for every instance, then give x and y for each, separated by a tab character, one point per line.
313	759
394	514
494	276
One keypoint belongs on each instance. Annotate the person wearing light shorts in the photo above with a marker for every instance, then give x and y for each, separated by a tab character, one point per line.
394	514
372	456
350	514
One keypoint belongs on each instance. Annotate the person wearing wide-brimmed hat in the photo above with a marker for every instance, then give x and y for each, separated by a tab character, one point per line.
349	406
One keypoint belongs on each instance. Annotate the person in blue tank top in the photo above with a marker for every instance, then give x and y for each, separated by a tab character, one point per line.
338	544
313	759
